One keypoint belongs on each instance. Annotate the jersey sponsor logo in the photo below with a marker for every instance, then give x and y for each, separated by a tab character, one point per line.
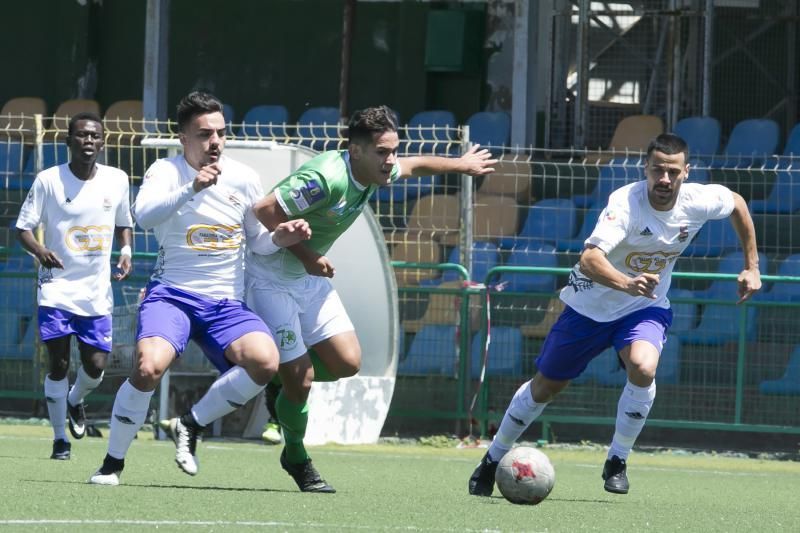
216	237
88	238
646	232
650	262
578	282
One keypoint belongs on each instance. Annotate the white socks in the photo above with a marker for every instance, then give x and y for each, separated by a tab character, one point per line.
55	392
83	386
521	412
632	410
127	416
230	391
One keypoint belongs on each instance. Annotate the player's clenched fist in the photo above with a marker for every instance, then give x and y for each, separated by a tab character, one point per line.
206	177
291	232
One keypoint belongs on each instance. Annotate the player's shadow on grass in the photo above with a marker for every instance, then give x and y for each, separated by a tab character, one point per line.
158	486
499	499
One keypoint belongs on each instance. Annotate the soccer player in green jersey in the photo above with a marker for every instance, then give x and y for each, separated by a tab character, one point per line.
289	289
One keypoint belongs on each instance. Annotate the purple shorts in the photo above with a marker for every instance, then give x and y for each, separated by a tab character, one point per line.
92	330
178	316
575	339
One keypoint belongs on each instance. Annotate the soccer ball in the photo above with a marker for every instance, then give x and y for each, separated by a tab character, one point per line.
525	476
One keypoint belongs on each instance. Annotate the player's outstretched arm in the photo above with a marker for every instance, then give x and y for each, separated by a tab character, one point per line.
749	279
46	257
596	266
475	161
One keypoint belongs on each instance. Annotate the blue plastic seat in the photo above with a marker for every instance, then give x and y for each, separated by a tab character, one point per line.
11	164
787	384
318	128
434	350
715	238
669	364
485	255
491	130
547	221
431	132
605	369
698	171
684	315
750	143
702	134
52	154
618	172
785	292
409	189
792	147
505	352
544	256
575	245
784	197
265	121
731	263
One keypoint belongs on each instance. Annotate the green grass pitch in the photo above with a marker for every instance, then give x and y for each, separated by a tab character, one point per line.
241	487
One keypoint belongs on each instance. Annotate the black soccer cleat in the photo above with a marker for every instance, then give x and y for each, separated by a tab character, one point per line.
306	476
76	416
481	482
61	450
615	476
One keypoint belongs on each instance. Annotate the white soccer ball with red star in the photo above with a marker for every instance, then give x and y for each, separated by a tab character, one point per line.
525	476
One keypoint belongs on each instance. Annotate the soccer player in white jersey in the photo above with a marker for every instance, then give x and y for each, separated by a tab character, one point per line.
199	206
83	207
288	289
616	296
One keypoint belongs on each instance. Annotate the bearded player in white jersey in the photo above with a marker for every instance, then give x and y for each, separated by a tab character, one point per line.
199	205
83	207
617	296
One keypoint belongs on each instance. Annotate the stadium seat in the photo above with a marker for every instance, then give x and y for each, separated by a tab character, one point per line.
684	315
437	216
442	308
124	117
540	256
485	256
265	121
228	113
731	263
511	178
784	291
715	238
792	148
505	352
669	364
66	109
698	172
575	245
434	350
318	128
784	198
414	248
12	163
702	134
430	132
787	384
719	324
494	218
750	143
16	118
605	369
409	189
631	136
547	222
618	172
52	154
490	129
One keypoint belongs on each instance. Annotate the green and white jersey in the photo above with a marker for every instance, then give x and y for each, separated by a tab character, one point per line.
324	192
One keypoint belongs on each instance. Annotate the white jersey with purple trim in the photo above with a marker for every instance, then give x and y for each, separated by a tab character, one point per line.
637	239
201	241
78	217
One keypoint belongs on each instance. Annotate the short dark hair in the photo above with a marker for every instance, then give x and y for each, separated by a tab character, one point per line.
670	144
366	122
196	103
83	115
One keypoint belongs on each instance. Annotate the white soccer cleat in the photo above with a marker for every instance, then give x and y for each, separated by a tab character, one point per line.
185	439
99	478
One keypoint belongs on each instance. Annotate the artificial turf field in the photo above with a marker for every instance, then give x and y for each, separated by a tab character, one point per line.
388	487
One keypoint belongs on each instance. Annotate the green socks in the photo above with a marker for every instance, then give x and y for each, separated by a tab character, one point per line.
321	373
293	417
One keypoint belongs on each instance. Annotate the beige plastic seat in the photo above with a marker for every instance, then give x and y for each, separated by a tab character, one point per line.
66	109
494	217
445	309
511	178
124	121
415	248
436	216
632	134
14	125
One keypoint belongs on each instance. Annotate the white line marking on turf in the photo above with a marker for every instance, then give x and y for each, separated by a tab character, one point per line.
686	470
248	523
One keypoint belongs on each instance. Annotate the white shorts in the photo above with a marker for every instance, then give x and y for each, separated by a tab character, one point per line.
300	312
